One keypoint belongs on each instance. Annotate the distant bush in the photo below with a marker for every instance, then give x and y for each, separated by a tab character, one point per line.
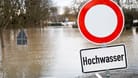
55	24
130	15
128	18
75	26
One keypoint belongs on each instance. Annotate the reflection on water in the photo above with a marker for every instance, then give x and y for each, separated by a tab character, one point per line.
24	61
53	53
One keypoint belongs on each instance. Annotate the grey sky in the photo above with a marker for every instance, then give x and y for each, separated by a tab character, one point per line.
61	4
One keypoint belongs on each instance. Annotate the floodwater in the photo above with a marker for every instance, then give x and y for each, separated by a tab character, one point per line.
54	52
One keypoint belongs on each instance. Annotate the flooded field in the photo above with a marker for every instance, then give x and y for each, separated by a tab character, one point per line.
54	52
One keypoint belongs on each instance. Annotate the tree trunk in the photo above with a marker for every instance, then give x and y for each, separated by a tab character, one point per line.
2	51
1	38
118	2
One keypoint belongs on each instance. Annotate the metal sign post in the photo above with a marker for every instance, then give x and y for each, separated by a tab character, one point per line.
107	74
107	71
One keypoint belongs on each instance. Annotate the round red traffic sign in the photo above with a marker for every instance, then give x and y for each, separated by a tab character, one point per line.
101	21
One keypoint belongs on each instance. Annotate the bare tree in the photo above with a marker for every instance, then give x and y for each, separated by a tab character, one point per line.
54	14
37	10
8	10
77	4
118	2
67	13
19	12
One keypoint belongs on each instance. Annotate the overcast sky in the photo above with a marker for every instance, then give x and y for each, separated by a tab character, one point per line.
61	4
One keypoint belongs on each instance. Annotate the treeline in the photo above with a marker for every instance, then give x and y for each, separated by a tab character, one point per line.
23	13
130	16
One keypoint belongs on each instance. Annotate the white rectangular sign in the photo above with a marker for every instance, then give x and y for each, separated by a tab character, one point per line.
103	58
